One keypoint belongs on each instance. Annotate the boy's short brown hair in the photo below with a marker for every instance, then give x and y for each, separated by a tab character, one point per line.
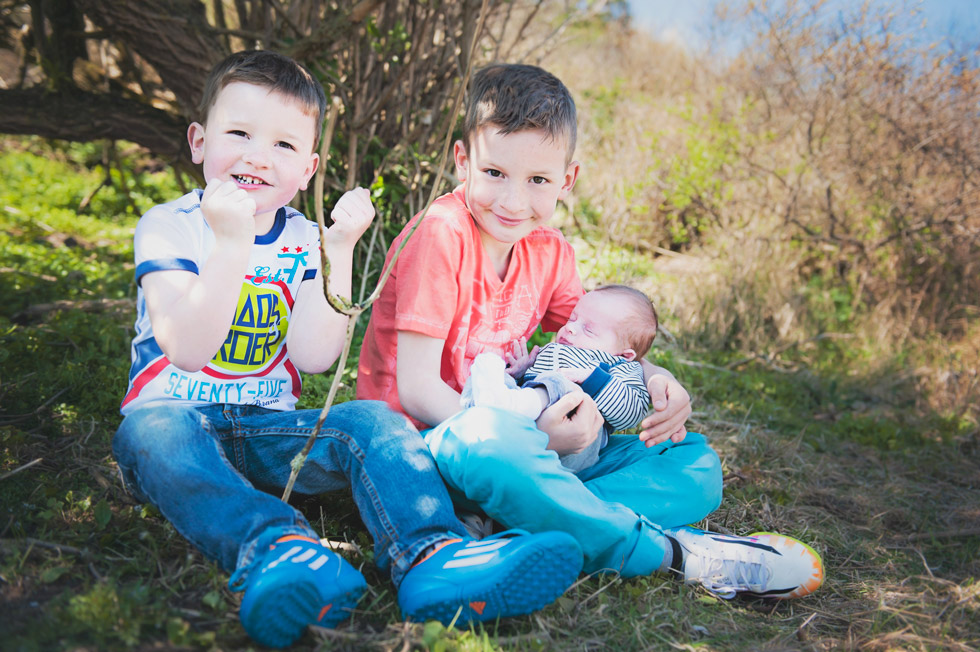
639	326
272	70
515	97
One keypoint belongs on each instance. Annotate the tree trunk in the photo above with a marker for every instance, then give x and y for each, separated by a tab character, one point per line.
90	116
173	36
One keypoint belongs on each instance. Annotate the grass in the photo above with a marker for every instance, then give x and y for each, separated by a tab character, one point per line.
887	491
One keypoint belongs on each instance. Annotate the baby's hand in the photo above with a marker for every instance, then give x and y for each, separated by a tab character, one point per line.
229	211
351	217
518	359
577	374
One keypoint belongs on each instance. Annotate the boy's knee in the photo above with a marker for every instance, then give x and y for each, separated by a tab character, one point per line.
479	429
154	432
487	441
378	431
706	477
372	424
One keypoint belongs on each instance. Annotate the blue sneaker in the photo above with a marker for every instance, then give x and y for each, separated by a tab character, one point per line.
298	583
508	574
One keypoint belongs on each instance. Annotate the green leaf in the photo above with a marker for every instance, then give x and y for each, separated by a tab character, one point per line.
432	631
103	513
52	574
212	599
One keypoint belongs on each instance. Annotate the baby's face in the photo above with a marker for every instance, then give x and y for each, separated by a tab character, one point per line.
596	323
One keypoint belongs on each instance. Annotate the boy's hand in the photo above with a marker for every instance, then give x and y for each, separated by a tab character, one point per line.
229	211
577	374
571	423
351	217
518	359
671	408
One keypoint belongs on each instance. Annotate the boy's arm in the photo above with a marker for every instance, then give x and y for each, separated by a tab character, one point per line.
191	313
571	423
317	332
619	393
421	390
671	407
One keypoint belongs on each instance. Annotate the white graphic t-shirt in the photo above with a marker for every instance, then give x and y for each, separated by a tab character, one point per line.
252	367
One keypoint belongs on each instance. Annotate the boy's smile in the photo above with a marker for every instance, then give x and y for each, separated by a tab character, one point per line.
513	182
261	140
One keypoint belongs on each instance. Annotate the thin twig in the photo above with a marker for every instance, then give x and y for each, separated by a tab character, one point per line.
769	356
14	418
945	534
20	468
46	544
297	462
352	310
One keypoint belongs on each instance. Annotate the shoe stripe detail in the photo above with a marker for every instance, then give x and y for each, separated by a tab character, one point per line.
306	556
469	561
323	612
436	548
763	594
319	562
283	557
295	537
479	550
750	544
488	543
478	607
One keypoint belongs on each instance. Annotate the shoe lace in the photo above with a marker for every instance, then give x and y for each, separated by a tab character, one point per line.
237	580
725	576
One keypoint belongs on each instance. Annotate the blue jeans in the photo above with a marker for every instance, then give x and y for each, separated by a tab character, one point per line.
616	509
200	467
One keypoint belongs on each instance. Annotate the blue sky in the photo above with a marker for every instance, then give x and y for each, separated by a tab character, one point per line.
687	21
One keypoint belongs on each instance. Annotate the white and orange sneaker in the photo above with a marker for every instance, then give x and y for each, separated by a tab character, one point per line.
764	564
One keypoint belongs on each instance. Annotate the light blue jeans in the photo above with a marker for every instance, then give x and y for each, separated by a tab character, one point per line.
617	508
201	468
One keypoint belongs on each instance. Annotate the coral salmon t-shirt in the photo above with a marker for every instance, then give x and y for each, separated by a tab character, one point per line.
444	286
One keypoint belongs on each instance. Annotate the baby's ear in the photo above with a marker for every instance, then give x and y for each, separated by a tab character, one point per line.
629	354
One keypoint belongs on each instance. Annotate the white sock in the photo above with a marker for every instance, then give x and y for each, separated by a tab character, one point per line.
488	379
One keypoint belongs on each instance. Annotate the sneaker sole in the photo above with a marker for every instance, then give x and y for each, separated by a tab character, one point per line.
530	583
812	583
287	610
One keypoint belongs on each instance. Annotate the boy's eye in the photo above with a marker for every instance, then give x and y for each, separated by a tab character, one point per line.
538	180
286	145
495	173
238	132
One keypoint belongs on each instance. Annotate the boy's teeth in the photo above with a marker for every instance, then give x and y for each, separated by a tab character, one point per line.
247	180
